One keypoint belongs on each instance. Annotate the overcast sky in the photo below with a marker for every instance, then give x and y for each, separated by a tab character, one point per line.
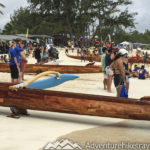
140	6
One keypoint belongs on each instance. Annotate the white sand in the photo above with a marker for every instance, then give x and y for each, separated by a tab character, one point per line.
33	132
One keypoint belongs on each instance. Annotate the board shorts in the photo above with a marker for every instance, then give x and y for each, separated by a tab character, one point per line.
14	72
118	80
82	57
109	71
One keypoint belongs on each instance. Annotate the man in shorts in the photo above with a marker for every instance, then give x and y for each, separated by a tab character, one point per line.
104	67
15	69
14	66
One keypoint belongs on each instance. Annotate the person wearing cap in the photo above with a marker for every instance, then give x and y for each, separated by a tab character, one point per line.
119	73
139	54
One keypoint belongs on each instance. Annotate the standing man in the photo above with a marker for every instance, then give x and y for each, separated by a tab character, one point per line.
18	48
14	69
104	67
37	54
13	63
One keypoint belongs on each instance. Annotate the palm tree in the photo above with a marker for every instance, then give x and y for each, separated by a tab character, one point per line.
1	5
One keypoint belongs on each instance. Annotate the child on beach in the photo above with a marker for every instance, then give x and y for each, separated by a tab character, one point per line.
135	72
143	74
91	55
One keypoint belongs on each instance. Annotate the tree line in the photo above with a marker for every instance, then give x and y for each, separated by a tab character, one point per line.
77	18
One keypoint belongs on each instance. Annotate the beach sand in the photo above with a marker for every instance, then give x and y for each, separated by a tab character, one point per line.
35	131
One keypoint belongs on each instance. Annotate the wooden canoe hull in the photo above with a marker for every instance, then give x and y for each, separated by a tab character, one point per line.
134	60
94	58
98	59
82	104
32	68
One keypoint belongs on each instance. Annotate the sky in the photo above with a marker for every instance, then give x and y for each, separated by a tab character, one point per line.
140	6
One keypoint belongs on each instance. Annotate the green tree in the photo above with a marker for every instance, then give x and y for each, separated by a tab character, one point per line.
1	5
74	17
111	16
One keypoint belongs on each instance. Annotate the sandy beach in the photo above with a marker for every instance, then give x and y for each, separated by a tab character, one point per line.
35	131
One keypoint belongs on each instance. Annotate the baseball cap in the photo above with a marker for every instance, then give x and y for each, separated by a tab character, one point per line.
139	49
123	51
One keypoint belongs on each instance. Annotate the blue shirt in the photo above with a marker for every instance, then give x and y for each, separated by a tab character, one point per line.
12	55
135	69
18	51
142	73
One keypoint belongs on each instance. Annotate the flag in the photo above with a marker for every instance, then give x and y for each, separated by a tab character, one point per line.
27	34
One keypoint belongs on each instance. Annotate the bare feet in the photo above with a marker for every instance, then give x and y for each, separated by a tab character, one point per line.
14	116
109	91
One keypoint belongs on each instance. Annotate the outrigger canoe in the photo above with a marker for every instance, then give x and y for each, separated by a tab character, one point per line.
98	59
94	58
137	59
33	68
74	103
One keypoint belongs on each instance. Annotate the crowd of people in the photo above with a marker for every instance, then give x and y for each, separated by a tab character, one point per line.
114	61
43	54
4	47
83	52
115	66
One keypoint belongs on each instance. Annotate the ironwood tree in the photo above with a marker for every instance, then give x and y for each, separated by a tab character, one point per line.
72	18
2	6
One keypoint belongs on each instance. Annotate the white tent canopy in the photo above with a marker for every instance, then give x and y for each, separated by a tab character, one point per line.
13	37
125	43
